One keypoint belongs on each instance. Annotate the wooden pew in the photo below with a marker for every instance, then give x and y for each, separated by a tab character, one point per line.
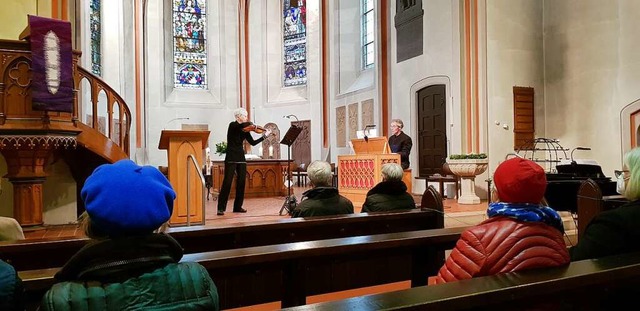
292	271
592	201
28	254
582	285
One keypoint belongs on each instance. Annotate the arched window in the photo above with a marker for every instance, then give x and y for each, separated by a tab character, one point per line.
295	42
95	24
189	44
367	21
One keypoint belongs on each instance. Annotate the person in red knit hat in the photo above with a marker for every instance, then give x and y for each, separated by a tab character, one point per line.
519	234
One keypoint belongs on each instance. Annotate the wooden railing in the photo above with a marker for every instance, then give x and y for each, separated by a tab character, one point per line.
16	114
120	133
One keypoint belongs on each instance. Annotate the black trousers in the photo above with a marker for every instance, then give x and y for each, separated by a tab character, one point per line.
240	171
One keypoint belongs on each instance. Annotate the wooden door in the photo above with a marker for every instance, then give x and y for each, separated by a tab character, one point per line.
523	121
432	125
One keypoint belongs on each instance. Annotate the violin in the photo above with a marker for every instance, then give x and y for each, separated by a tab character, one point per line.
254	128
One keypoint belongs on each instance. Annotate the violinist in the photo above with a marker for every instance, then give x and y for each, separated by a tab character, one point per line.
234	162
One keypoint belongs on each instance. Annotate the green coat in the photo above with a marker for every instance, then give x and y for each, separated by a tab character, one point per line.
609	233
322	201
132	273
388	196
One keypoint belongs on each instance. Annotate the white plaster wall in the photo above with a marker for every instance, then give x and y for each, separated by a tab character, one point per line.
163	102
349	83
514	58
270	100
439	64
591	72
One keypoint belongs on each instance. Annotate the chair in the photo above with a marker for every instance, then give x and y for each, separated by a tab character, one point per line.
431	200
334	172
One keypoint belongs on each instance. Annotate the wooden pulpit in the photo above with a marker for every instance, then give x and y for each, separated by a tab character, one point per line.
179	145
359	172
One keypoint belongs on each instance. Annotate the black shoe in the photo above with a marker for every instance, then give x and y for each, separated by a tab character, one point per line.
220	213
241	210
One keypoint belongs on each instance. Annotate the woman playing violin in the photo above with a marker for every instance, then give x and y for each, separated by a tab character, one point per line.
235	162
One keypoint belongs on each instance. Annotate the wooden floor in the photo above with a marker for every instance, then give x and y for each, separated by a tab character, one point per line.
266	209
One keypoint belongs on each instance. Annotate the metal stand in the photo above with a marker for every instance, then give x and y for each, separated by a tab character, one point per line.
290	202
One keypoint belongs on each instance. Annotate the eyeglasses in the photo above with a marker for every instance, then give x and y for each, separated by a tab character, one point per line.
618	173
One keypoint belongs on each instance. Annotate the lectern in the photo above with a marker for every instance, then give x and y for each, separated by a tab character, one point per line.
359	172
179	145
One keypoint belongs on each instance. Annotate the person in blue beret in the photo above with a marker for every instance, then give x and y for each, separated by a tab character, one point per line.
129	264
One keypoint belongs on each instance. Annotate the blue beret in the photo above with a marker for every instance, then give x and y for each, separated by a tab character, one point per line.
127	199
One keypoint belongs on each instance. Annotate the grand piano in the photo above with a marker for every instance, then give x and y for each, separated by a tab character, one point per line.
562	187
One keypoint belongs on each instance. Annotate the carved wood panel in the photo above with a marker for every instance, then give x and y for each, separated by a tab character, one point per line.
341	126
353	120
301	148
272	141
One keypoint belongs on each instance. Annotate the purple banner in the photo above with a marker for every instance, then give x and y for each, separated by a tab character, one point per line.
52	82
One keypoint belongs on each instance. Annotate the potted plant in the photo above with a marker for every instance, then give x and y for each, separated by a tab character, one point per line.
468	166
221	148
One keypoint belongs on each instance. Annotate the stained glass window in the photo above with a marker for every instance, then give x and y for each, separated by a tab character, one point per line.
189	48
95	24
367	34
295	42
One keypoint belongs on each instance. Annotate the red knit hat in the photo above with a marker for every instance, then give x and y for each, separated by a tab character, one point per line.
520	181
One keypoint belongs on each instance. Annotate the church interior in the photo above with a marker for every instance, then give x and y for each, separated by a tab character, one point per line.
157	82
469	58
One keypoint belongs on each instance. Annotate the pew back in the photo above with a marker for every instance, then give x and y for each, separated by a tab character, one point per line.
582	285
28	254
592	201
292	271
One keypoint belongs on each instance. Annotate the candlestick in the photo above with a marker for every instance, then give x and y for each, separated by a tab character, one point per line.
260	151
270	151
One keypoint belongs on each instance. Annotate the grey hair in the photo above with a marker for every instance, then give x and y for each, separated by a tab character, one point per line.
398	122
240	112
392	171
319	173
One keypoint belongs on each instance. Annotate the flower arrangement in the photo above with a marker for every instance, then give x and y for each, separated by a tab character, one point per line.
468	156
221	148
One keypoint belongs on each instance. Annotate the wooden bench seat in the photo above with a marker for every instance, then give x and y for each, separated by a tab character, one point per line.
582	285
292	271
28	254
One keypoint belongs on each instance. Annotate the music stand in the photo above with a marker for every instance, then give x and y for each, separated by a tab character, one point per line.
290	201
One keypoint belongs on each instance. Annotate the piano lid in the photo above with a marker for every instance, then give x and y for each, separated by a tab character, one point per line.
580	170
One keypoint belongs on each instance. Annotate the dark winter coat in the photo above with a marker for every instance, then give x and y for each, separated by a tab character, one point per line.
322	201
388	196
11	290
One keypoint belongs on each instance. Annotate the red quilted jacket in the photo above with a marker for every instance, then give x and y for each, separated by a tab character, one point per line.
502	244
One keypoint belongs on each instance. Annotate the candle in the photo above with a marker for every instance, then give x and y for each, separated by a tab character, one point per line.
260	151
271	151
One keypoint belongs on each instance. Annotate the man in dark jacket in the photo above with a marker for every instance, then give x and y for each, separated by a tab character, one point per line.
323	199
235	163
391	193
400	143
128	266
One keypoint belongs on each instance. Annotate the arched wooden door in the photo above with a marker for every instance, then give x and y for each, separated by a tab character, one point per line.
432	129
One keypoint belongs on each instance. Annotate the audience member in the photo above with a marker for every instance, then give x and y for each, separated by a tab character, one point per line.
11	290
322	199
391	193
10	229
519	233
129	265
615	231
